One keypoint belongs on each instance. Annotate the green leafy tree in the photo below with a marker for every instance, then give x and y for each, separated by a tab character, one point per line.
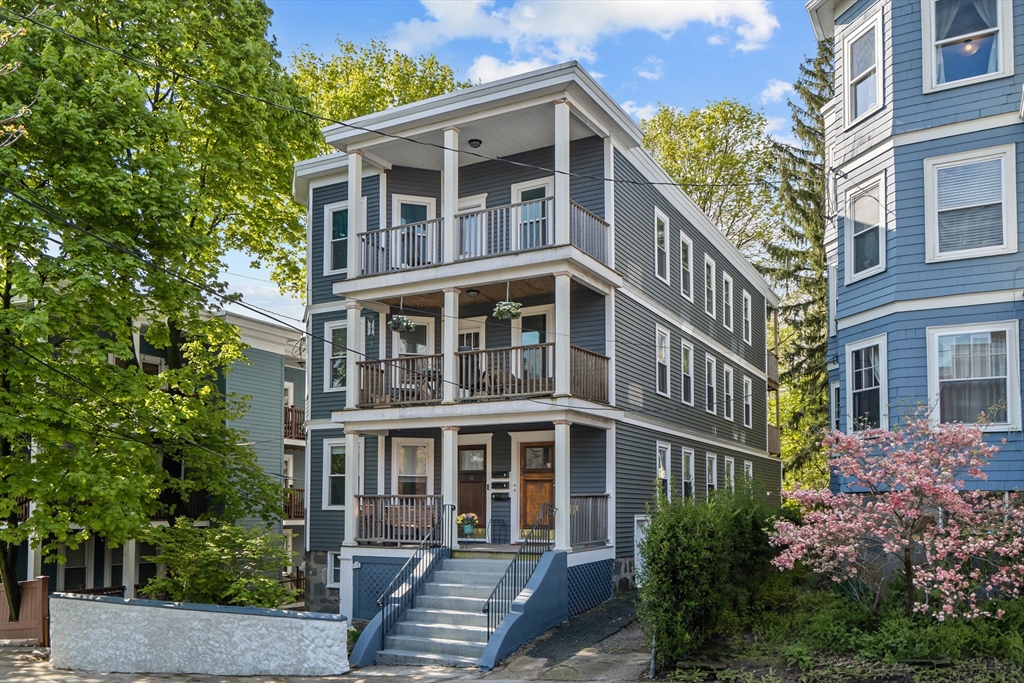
800	261
726	162
131	184
223	564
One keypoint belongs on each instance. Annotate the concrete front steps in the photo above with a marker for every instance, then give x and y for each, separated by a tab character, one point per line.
447	627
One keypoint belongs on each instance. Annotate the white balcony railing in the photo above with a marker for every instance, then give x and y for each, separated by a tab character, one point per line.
404	246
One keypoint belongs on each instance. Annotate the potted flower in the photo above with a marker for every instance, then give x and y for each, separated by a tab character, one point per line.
402	323
507	310
468	521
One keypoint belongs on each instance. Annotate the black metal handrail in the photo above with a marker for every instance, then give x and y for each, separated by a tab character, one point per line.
520	569
400	594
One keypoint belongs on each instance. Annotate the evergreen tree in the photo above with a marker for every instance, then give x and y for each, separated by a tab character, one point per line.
800	261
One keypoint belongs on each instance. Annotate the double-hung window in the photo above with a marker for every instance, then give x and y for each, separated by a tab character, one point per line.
863	57
335	356
866	383
710	384
664	361
663	465
334	475
661	245
748	469
836	405
729	465
709	286
727	301
865	230
686	266
970	204
688	473
336	232
748	402
333	570
727	395
966	42
748	316
711	473
972	369
687	358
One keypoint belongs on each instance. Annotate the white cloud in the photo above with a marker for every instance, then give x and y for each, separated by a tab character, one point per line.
716	40
638	111
775	91
652	71
561	30
778	128
487	68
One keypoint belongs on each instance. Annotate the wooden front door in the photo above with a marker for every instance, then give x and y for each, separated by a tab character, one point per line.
536	483
473	488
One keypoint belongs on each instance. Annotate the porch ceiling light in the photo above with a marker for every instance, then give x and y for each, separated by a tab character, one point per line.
472	293
475	142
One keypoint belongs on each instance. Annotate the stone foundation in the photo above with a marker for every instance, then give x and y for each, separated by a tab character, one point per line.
623	574
319	598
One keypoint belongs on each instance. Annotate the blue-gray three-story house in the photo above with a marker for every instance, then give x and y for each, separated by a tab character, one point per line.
925	154
638	359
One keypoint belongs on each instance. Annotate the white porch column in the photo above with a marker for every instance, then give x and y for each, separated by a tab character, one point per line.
355	343
562	504
562	303
450	475
351	476
609	197
450	198
561	172
355	210
449	343
130	568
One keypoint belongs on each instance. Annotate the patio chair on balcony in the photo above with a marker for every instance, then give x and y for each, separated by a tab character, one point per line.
471	379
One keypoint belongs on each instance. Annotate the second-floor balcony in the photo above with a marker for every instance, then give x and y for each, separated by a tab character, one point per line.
294	423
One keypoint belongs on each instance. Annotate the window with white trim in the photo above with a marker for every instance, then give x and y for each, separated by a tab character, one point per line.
835	407
336	229
865	230
688	489
333	570
711	473
727	395
664	361
334	475
335	355
686	266
863	57
709	286
972	369
661	245
866	384
729	467
686	352
748	469
748	317
412	467
710	384
727	301
663	465
833	297
966	42
748	402
74	573
971	204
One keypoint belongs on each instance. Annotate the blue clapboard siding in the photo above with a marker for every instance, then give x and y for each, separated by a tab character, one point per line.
369	465
326	527
297	376
418	182
321	403
588	448
322	285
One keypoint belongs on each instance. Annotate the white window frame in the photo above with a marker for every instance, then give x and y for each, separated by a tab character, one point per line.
835	416
662	448
883	387
1013	396
548	183
333	569
396	444
427	322
748	401
687	465
325	494
727	301
709	304
874	23
289	394
748	469
686	350
667	278
1008	155
748	318
329	210
683	239
660	331
728	397
711	382
1004	31
398	199
729	467
852	195
90	562
328	346
710	474
833	297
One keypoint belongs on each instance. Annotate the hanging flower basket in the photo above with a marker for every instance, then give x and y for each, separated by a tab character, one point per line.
507	310
402	323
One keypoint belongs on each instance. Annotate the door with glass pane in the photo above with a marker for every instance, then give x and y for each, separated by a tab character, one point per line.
530	218
473	490
413	241
536	485
535	371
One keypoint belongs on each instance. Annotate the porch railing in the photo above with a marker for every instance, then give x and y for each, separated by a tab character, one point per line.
294	423
413	379
110	591
400	247
774	440
505	229
537	542
294	503
588	374
773	371
588	519
395	519
506	372
588	232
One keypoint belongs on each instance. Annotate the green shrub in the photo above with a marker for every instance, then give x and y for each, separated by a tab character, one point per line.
219	565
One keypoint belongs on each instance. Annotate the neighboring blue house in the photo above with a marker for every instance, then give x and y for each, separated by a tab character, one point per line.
925	145
640	356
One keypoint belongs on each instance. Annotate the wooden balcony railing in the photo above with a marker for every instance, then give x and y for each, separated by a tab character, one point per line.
23	508
588	232
773	371
294	423
395	519
193	505
774	440
588	374
294	503
506	372
588	519
505	229
112	591
401	247
409	380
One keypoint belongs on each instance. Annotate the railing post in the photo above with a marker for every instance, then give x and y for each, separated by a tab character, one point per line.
353	354
449	477
562	329
563	502
355	211
449	342
450	199
561	172
351	483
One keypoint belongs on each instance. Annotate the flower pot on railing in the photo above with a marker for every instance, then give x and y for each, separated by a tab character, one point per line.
507	310
402	323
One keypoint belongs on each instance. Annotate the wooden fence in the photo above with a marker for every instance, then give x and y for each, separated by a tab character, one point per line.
34	620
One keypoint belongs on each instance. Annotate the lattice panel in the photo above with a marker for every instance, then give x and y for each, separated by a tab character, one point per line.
589	585
373	578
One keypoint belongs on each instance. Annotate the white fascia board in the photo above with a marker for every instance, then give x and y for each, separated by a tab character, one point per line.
484	413
692	212
308	171
263	335
822	17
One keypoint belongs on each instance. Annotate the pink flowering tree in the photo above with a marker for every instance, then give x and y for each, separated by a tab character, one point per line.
903	510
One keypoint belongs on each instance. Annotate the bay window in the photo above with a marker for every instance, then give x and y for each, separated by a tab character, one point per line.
866	383
863	58
966	41
865	231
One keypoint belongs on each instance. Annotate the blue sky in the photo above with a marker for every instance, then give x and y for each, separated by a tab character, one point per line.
682	53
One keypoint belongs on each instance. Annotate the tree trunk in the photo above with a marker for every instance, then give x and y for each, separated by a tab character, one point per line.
9	577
